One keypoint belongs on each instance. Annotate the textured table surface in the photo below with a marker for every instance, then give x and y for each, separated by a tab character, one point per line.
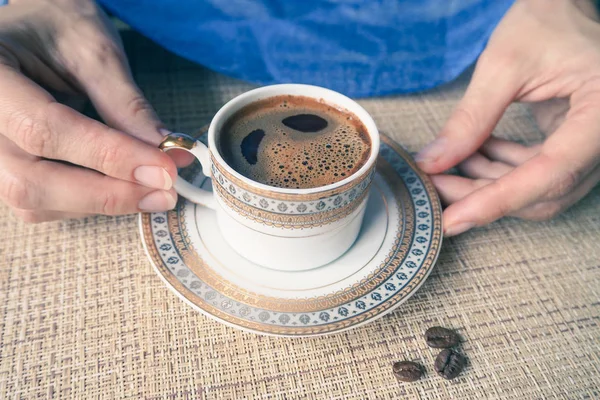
83	315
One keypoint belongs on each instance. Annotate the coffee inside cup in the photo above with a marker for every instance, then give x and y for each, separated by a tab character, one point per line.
293	141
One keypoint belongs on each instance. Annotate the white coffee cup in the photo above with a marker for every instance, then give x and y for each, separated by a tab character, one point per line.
281	228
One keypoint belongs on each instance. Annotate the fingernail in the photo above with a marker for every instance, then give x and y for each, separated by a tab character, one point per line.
164	131
154	177
459	228
157	201
432	151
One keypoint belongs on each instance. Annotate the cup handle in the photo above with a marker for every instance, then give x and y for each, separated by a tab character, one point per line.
201	152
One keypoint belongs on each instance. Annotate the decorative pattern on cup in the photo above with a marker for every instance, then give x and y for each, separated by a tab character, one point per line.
290	204
292	221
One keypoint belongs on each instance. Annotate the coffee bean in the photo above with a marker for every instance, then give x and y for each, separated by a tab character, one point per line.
407	371
441	338
449	364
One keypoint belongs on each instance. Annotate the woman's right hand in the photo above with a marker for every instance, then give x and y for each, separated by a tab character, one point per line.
56	163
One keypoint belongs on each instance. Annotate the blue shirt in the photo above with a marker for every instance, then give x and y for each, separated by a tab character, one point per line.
357	47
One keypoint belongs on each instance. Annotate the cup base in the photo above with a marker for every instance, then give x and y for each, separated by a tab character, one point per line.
291	253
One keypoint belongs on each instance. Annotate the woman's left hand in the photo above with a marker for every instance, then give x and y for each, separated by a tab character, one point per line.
546	52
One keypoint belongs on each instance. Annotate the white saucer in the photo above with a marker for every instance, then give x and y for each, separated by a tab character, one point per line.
394	253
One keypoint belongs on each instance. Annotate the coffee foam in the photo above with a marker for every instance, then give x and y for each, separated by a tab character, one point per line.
289	158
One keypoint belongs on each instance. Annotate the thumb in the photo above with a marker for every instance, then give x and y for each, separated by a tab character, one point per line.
489	93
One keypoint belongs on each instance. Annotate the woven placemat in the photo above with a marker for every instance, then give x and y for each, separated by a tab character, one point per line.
83	315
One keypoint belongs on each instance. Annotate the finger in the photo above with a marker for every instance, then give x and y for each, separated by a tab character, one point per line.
550	209
181	158
49	185
518	189
567	156
39	216
508	152
122	104
452	188
36	69
101	68
77	190
478	166
103	72
488	95
31	119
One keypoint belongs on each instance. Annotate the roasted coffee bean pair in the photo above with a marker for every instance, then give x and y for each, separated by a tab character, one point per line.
448	363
